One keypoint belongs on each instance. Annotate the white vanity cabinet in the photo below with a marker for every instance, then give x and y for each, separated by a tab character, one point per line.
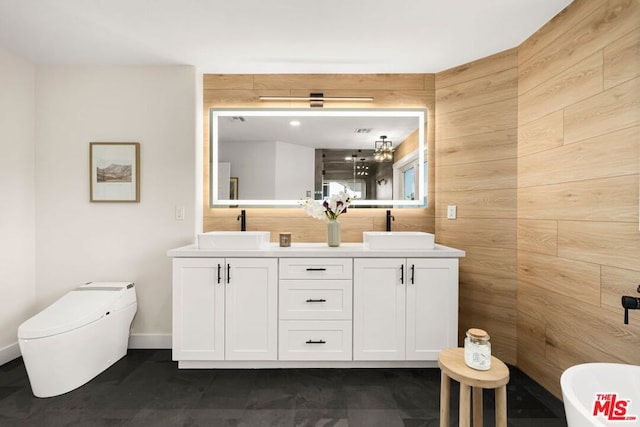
310	305
404	308
225	309
315	308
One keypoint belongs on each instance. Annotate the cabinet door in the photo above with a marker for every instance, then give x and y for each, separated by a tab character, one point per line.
251	309
379	309
198	309
432	307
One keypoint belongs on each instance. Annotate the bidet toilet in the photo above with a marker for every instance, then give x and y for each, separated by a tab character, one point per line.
77	337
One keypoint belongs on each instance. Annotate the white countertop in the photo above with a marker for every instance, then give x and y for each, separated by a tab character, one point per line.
314	250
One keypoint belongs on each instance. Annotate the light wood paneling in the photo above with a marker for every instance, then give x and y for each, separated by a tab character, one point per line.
622	59
492	262
500	203
475	120
319	82
578	238
497	145
598	335
616	108
489	175
476	149
531	335
606	199
538	236
605	156
484	69
542	134
228	81
389	91
574	84
615	244
607	23
472	93
487	232
569	17
561	275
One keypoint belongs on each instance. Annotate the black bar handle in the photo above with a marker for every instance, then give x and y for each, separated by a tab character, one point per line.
413	273
316	300
219	271
402	274
316	342
316	269
228	273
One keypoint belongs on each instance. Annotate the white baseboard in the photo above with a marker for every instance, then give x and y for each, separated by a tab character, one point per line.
10	352
149	341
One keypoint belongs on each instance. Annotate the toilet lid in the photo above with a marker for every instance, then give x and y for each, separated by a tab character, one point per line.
75	309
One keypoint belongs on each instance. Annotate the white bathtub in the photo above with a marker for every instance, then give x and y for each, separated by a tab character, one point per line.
602	394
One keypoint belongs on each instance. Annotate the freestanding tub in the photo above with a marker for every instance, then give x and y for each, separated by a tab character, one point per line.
601	394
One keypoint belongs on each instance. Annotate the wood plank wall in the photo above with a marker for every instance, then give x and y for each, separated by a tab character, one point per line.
476	145
389	90
578	156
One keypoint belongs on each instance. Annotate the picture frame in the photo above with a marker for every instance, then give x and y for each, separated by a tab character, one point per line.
114	172
233	188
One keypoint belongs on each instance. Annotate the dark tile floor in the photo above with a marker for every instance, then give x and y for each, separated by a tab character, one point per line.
146	388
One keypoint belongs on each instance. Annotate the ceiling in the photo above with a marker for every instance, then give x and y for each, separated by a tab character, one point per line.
276	36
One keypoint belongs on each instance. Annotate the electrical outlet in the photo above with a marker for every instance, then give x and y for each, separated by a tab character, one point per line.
452	212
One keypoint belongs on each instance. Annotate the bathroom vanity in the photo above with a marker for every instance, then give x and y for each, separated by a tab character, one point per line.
310	305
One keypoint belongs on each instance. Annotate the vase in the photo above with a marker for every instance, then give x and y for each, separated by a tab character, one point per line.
333	233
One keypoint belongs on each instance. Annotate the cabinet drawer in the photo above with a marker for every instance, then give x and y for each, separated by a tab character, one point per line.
315	299
315	340
316	268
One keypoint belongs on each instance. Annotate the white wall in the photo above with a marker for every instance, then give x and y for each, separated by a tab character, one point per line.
294	171
254	165
78	241
17	198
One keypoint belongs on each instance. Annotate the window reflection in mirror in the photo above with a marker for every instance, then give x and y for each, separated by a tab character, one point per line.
279	156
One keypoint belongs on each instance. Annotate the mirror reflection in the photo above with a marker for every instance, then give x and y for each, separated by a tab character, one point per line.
273	157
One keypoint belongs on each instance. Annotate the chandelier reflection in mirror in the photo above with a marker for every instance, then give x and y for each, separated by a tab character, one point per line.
360	168
383	150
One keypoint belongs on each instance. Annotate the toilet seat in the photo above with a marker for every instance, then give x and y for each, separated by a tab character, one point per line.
77	308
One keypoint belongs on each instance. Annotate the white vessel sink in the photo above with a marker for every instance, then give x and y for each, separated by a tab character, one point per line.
382	240
234	240
601	394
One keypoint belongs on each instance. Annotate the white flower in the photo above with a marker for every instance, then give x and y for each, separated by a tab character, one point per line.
332	208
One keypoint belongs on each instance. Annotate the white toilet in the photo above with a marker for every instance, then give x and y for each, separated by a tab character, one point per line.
77	337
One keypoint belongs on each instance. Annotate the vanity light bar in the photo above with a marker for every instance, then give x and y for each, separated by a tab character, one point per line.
313	98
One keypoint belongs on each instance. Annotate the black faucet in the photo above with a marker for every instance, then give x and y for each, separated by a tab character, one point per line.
243	220
630	303
389	218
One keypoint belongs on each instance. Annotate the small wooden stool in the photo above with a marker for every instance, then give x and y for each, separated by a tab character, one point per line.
451	362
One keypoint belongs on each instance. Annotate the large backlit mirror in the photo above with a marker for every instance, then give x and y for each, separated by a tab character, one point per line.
276	157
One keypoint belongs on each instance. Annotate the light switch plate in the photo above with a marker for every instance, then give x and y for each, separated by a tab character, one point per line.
179	213
452	212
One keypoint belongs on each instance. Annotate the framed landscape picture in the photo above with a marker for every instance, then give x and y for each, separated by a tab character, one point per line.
114	171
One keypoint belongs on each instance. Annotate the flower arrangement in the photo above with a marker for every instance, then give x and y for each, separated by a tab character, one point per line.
331	208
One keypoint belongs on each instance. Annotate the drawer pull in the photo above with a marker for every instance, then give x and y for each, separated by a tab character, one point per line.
316	342
316	269
316	300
